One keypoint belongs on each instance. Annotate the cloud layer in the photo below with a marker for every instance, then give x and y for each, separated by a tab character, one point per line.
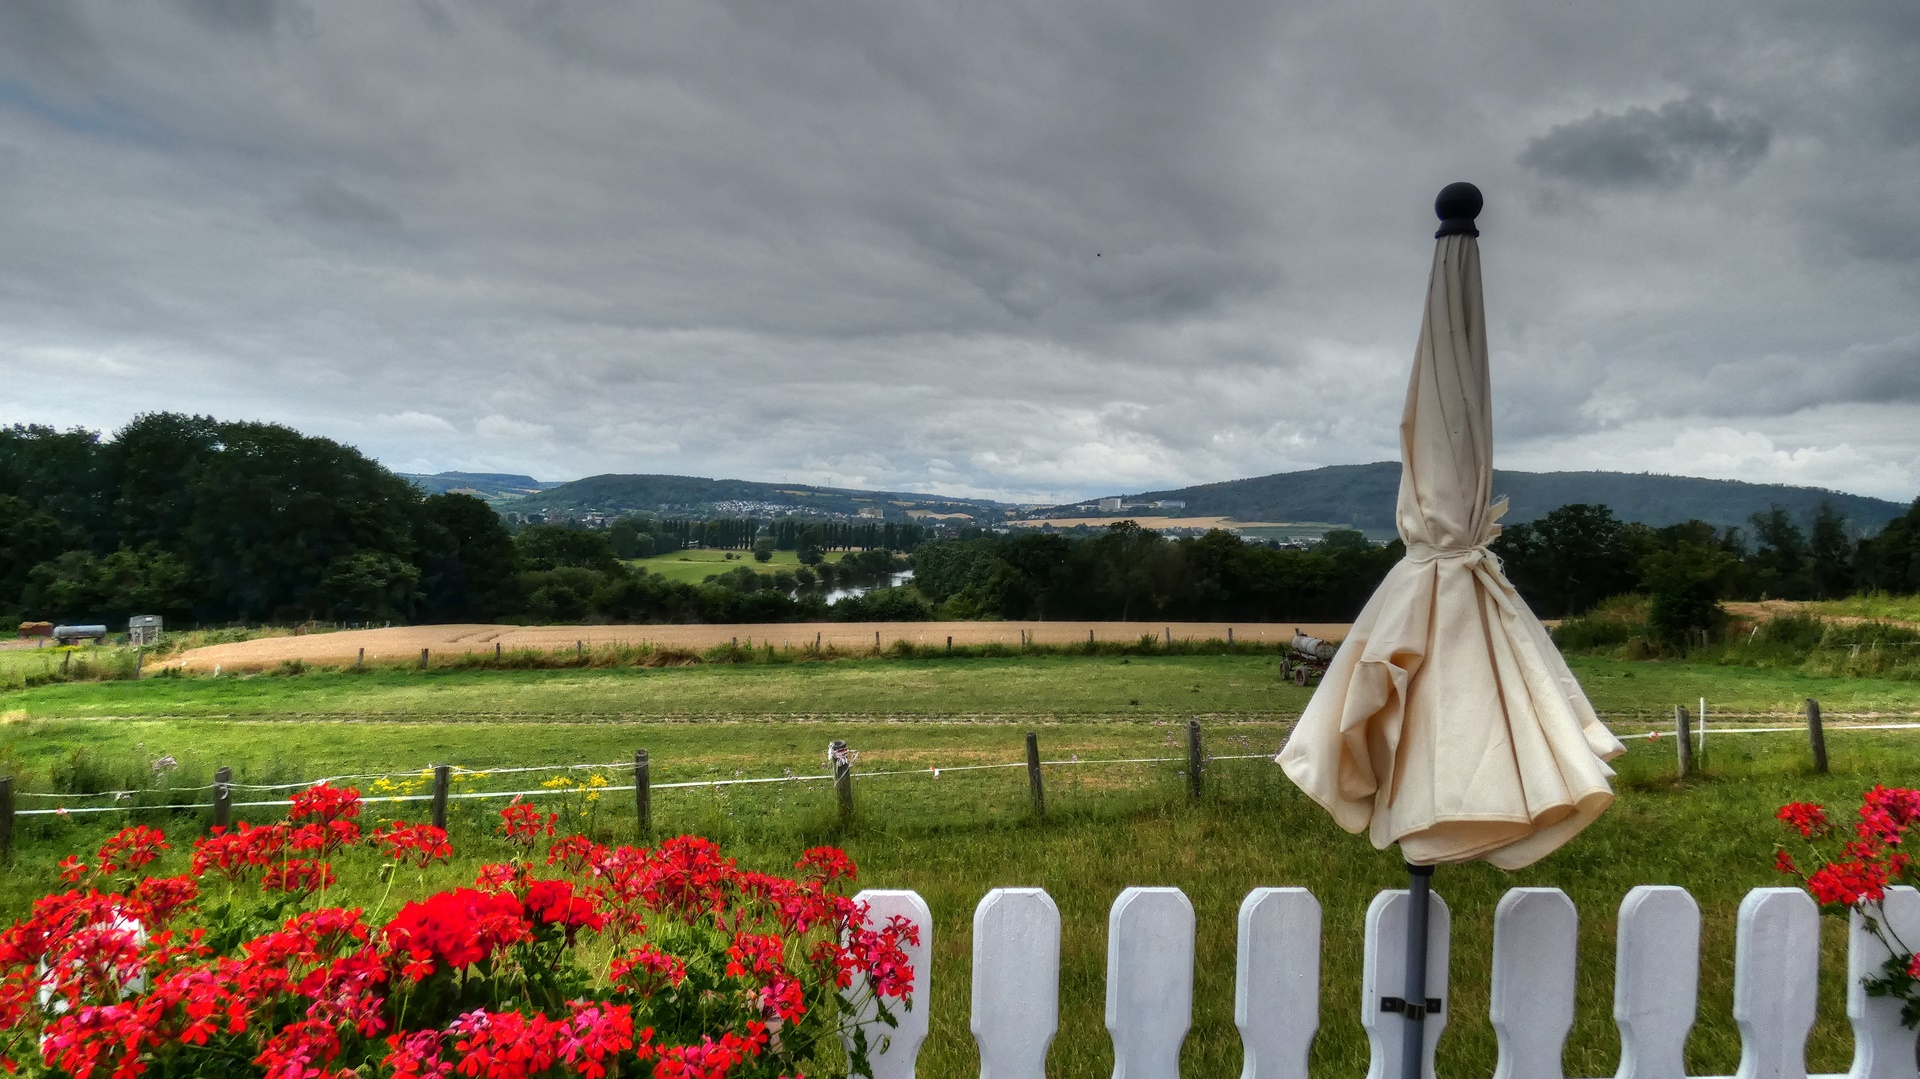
1012	248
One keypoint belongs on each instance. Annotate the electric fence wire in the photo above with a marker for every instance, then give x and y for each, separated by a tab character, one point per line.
681	785
931	770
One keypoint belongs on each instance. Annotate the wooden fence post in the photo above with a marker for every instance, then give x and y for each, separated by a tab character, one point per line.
423	659
949	642
1193	758
643	791
1229	636
1168	631
442	778
1033	775
1817	735
496	651
222	797
6	817
842	777
360	660
1683	733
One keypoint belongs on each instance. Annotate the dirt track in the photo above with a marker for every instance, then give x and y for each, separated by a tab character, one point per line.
405	642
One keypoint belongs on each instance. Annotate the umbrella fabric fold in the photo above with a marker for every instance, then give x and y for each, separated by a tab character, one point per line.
1448	722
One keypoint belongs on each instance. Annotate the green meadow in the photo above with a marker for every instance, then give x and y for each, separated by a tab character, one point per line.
954	835
695	565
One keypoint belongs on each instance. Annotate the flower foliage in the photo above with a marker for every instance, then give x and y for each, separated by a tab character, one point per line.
1848	871
667	961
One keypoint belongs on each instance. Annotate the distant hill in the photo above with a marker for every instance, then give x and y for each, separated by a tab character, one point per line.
1363	496
692	496
492	486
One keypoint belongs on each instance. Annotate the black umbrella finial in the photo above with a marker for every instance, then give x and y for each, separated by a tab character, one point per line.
1458	204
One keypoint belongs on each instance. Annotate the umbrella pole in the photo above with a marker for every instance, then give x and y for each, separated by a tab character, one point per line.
1413	1049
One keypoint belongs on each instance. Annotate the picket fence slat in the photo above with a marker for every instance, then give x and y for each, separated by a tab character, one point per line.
1535	934
1656	980
1016	982
1276	990
1776	977
1384	973
1149	981
892	1051
1882	1048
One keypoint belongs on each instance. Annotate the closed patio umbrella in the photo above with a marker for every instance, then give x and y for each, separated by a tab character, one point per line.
1448	722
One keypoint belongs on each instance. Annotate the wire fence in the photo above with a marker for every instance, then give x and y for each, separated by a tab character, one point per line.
618	767
840	761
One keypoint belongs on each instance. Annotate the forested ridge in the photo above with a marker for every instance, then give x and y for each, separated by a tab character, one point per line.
1363	497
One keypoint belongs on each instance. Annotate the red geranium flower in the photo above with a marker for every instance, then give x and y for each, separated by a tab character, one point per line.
523	823
421	844
325	804
1807	818
132	847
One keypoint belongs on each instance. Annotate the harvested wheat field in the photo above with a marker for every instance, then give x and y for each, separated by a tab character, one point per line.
405	642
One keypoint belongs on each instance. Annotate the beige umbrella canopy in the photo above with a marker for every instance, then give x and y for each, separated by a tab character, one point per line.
1448	722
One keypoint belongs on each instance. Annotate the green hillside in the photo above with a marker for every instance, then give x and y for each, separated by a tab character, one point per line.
1358	496
696	497
492	486
1362	496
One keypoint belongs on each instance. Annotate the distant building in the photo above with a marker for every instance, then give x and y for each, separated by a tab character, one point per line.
1111	505
872	511
143	629
1170	504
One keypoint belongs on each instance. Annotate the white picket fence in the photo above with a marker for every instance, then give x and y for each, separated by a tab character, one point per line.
1150	957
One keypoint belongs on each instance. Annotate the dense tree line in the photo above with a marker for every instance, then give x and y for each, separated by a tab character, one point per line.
200	520
1126	572
1572	558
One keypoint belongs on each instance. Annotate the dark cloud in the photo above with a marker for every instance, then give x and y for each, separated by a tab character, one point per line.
329	202
1644	147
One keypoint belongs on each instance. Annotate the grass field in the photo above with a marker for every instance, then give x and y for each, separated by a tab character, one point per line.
1876	605
957	835
695	565
1107	687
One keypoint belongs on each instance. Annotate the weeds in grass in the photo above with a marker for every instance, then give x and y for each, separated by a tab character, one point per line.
1800	640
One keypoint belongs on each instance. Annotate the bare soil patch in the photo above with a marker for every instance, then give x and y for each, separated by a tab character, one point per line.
405	642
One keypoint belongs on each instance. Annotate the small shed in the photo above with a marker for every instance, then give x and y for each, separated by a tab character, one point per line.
36	629
143	629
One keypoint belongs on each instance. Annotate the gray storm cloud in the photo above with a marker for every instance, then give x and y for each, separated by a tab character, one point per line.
1657	147
1017	248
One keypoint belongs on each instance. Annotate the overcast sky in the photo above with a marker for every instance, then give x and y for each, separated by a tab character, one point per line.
1030	249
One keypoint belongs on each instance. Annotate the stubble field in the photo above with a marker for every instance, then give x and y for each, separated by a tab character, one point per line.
403	643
